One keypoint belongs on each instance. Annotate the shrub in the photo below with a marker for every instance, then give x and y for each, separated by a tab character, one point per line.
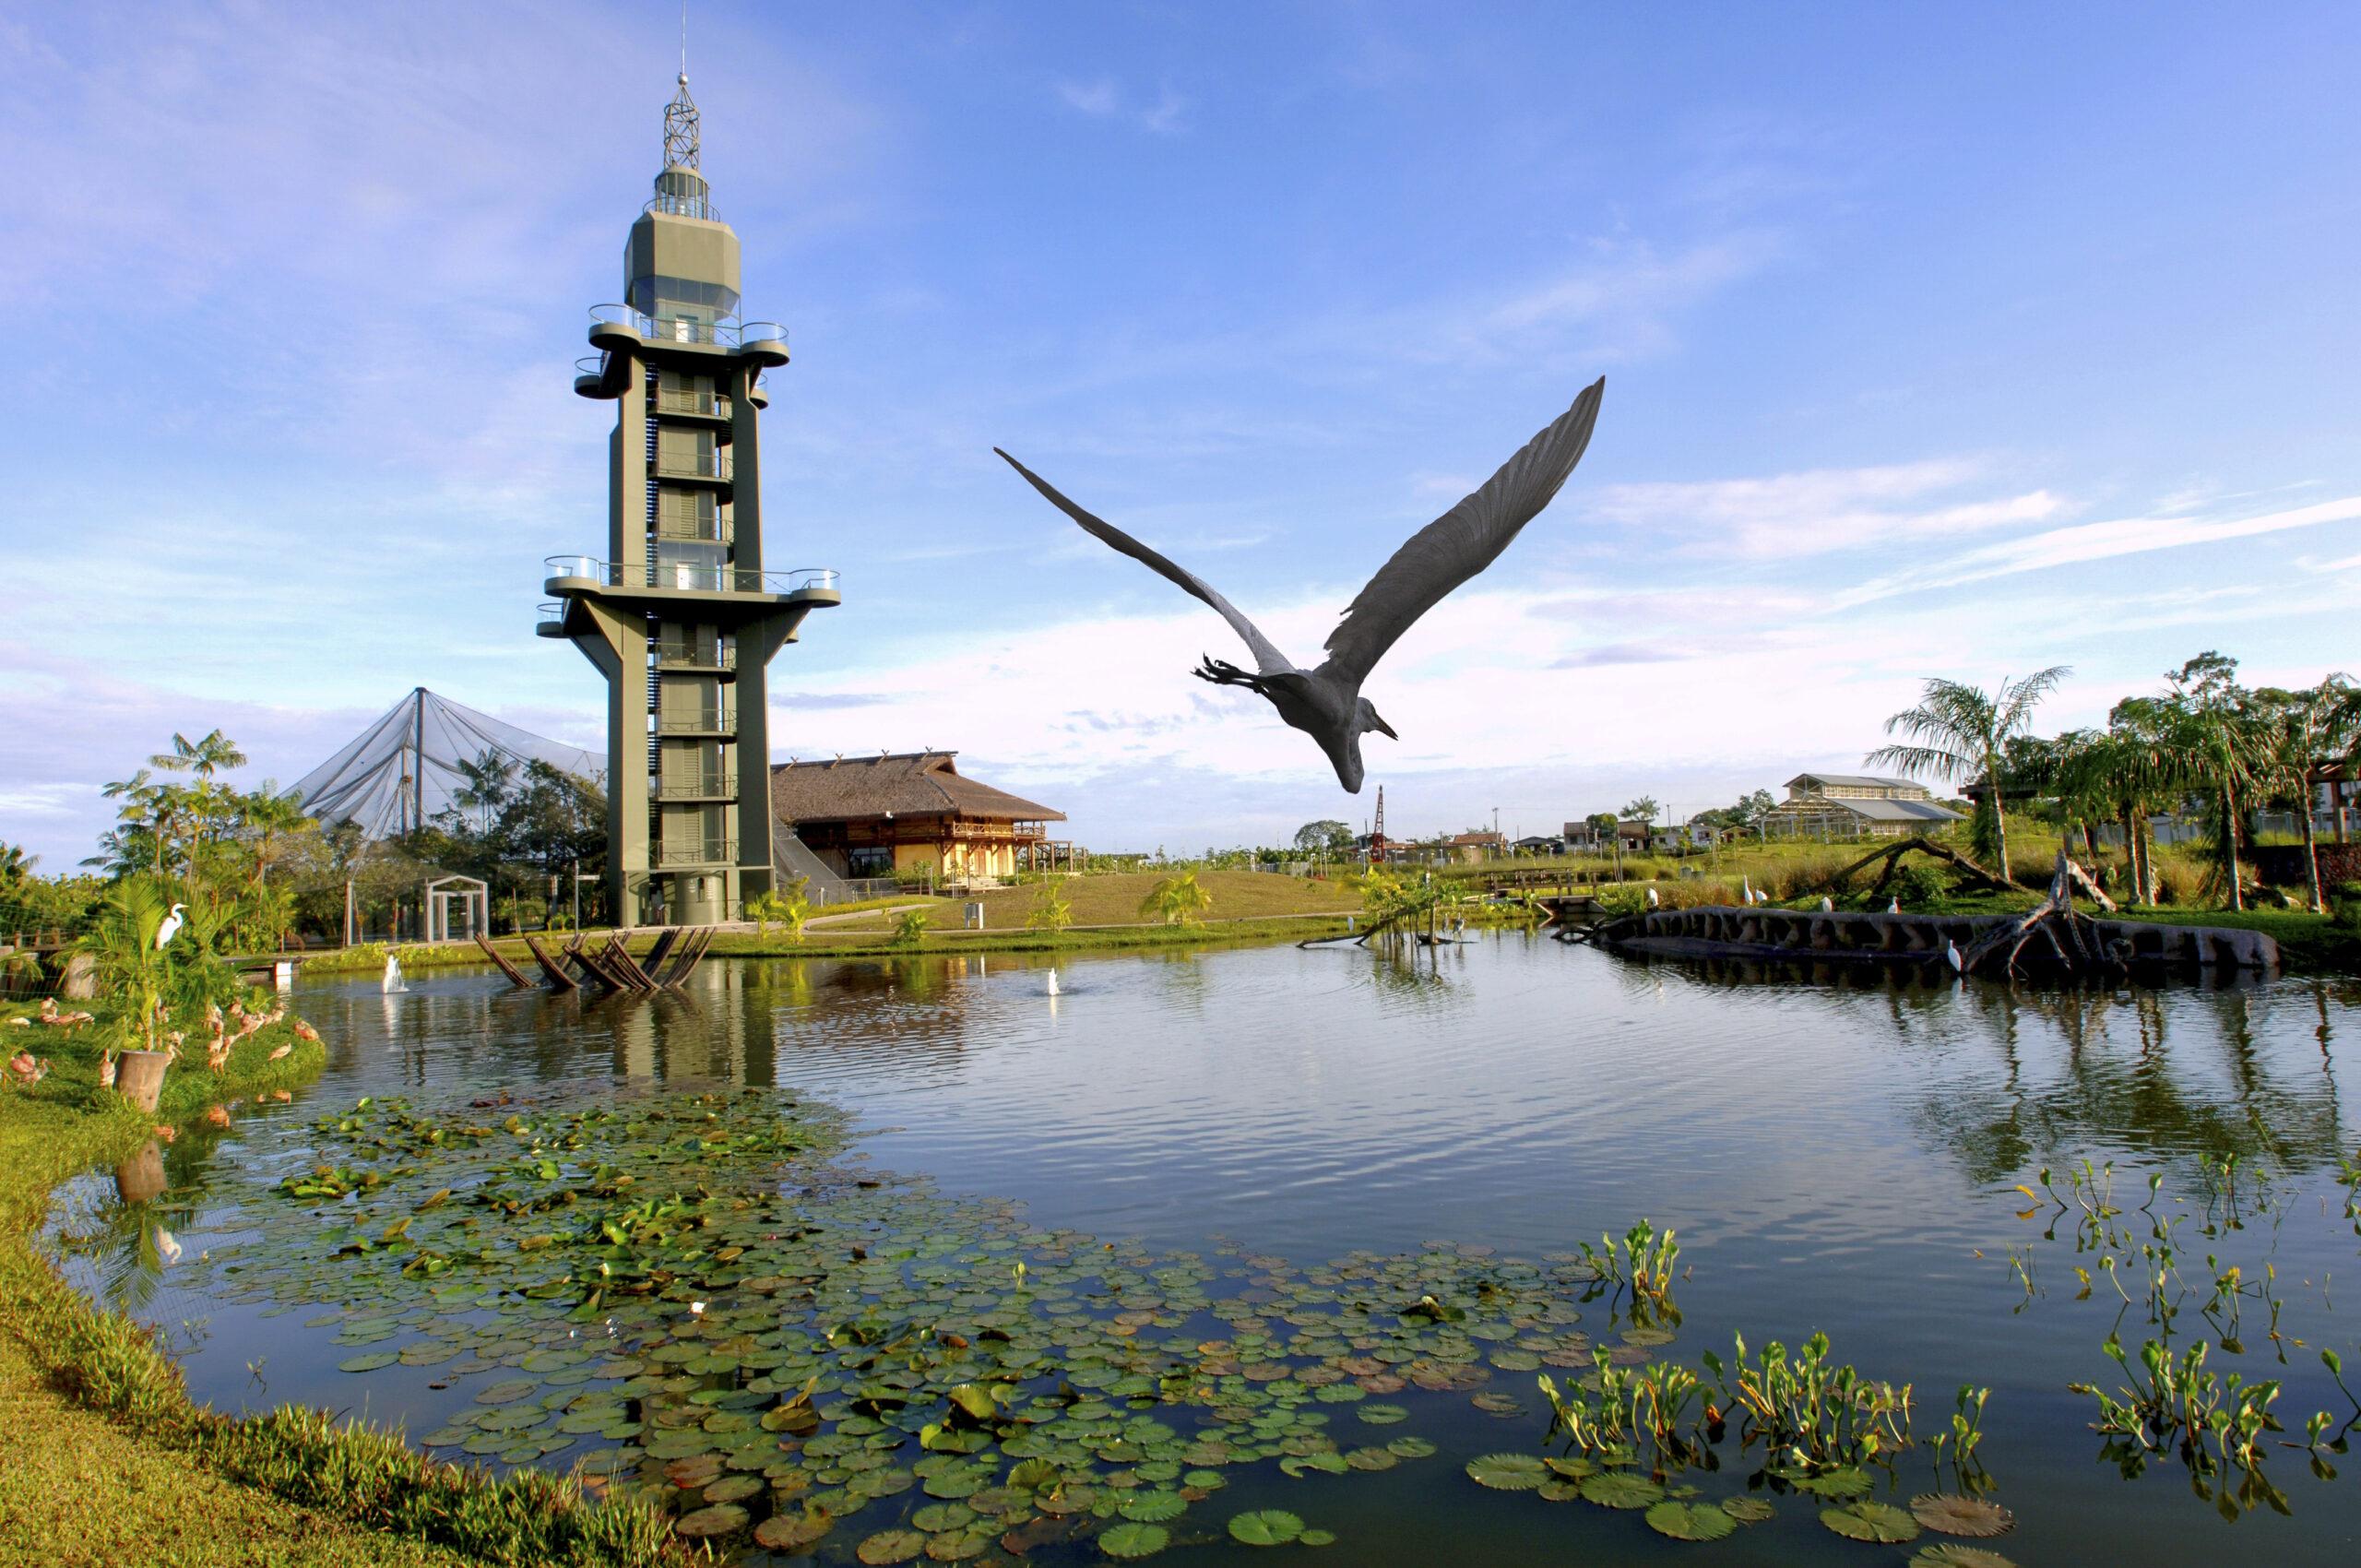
2345	905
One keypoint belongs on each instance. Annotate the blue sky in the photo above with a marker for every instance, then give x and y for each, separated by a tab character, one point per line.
1952	341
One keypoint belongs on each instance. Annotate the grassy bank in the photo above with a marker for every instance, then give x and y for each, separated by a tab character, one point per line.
109	1461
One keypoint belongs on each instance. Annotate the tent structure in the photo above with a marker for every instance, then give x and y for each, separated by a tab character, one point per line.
413	763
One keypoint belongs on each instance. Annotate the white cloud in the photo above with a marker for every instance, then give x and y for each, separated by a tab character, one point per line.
1091	98
2086	543
1822	510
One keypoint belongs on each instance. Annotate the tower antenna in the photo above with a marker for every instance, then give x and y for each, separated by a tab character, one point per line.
684	39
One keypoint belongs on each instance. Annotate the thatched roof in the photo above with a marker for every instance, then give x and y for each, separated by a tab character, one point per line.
902	783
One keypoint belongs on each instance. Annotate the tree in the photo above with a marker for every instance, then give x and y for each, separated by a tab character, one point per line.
1959	732
1051	910
1325	838
2218	749
790	908
1175	901
2298	731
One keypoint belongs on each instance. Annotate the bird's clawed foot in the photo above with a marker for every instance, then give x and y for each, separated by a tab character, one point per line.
1223	674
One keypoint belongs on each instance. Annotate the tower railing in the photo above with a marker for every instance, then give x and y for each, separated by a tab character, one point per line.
713	405
682	574
696	852
694	465
686	329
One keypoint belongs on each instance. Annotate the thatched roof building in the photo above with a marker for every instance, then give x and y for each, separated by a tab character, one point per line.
897	812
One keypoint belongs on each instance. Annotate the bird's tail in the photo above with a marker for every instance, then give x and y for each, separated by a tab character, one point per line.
1225	674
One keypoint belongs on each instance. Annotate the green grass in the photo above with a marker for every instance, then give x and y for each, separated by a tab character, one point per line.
290	1486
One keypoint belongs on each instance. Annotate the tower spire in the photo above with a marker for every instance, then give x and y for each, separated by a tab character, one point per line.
681	123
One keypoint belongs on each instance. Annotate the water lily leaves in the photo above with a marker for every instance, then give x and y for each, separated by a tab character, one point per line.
1689	1521
1950	1554
1410	1448
1265	1527
734	1488
1135	1540
1508	1472
508	1393
720	1519
890	1546
369	1362
1864	1520
1953	1515
1845	1481
936	1517
1621	1489
1326	1464
1747	1510
1317	1538
1371	1459
1382	1415
1154	1507
1499	1404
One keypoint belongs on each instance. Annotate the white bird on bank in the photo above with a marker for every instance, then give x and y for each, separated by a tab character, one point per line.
1827	905
1950	956
171	926
1746	890
1893	905
1654	902
393	980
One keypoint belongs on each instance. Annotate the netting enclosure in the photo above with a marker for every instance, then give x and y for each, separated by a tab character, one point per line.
413	763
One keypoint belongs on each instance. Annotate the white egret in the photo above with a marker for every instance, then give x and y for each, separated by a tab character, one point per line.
1827	905
1654	902
1950	956
1893	905
172	926
166	1247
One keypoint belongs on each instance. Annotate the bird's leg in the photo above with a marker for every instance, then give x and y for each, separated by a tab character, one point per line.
1223	674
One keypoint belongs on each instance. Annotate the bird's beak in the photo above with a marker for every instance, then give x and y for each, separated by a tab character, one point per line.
1383	727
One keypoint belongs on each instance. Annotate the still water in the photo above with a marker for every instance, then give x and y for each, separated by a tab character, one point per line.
1839	1154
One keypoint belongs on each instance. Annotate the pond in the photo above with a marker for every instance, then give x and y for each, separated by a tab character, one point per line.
916	1260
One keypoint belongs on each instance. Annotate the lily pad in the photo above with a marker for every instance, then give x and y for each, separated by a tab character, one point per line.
1747	1510
792	1532
1689	1521
1880	1522
1265	1527
1846	1481
1133	1540
1508	1472
890	1546
1410	1448
1621	1489
1382	1415
1154	1507
1950	1554
718	1520
369	1362
1953	1515
1317	1538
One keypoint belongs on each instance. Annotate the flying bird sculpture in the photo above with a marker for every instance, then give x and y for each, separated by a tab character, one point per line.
1326	703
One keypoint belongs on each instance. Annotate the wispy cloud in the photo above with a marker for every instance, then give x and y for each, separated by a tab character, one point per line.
2086	543
1101	98
1823	510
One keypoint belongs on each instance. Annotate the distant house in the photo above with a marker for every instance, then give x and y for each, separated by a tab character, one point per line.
1852	805
900	813
1470	848
1537	845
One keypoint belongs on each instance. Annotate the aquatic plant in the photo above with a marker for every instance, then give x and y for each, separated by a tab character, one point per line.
2178	1405
683	1294
1642	1261
1811	1411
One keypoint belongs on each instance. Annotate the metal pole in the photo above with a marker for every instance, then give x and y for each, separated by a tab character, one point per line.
418	759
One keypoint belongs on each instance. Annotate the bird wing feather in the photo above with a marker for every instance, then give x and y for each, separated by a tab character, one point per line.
1268	659
1460	542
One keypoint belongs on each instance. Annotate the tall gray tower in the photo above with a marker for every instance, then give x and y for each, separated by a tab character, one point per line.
680	617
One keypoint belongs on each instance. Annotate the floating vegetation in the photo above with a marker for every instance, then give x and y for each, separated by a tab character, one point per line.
690	1297
1643	1263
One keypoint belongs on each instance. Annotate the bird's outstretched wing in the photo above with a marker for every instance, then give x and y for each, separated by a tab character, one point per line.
1460	542
1268	659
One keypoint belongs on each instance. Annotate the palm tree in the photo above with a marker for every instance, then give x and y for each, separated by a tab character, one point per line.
2300	731
2120	774
1175	901
2211	728
214	754
1961	731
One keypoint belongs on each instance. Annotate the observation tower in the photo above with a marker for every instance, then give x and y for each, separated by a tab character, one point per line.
680	615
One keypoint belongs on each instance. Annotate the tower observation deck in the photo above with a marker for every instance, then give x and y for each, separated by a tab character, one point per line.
680	614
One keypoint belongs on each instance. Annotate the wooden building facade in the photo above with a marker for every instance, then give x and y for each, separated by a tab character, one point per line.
898	813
